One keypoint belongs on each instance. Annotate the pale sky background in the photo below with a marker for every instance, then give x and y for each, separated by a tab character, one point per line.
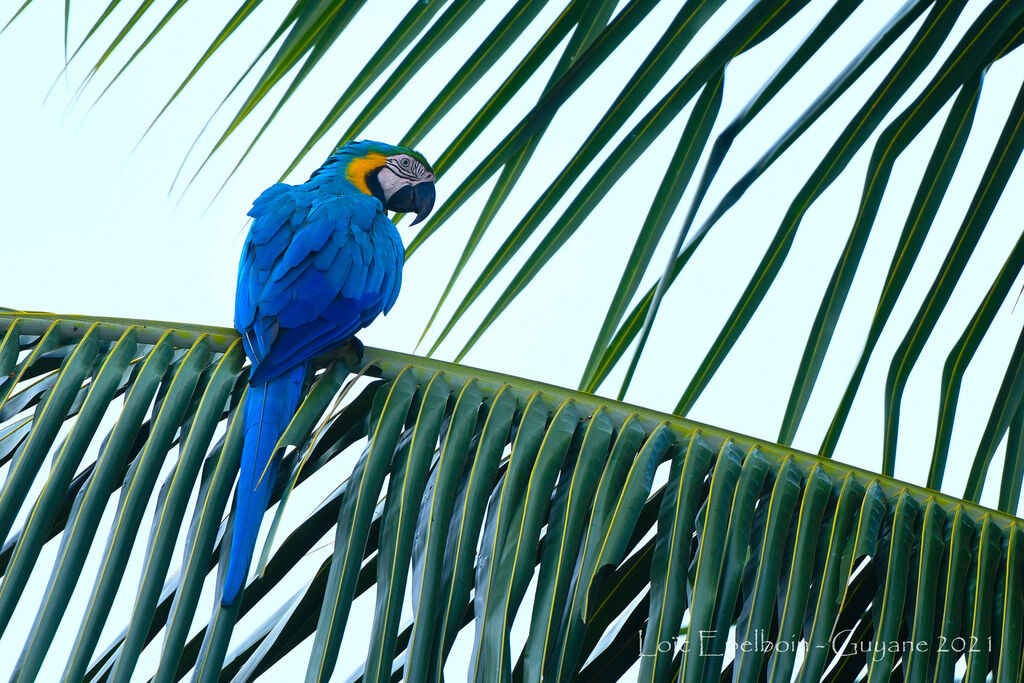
91	228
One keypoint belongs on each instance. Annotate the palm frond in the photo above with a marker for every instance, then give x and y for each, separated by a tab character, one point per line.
466	488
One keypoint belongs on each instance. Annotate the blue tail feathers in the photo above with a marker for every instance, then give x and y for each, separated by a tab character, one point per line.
268	409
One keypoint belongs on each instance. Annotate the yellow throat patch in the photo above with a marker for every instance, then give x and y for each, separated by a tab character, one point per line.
359	167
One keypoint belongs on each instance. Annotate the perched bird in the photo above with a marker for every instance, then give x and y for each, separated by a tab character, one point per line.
321	261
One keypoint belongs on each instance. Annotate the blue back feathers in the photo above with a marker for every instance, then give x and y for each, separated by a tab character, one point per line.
321	256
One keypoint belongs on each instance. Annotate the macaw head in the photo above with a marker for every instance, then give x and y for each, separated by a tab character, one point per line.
399	177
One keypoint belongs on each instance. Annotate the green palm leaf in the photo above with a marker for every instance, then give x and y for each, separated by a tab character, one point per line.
558	490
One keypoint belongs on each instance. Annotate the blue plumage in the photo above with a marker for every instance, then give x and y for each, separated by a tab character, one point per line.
321	261
268	409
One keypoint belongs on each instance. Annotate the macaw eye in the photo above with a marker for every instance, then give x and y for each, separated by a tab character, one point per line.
404	162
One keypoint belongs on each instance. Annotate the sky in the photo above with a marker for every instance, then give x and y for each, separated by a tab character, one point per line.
96	225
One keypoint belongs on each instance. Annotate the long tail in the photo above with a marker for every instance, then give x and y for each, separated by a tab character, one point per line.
268	409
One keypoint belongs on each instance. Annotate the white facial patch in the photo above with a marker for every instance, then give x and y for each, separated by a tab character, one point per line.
401	170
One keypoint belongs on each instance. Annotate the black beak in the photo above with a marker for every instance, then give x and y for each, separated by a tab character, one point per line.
418	198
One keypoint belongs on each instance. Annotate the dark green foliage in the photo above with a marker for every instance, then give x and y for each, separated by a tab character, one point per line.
492	482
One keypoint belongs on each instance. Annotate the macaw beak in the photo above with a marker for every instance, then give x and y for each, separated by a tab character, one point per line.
418	198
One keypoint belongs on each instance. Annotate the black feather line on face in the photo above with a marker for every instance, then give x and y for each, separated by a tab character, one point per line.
373	184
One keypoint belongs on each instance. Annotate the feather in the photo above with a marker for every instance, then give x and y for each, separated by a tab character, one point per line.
325	258
311	285
277	288
375	276
338	272
267	254
355	284
362	238
340	237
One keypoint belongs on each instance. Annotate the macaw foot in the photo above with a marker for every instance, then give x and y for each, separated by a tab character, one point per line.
351	353
357	349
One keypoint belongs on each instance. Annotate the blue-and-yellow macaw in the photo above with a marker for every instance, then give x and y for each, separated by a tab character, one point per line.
321	261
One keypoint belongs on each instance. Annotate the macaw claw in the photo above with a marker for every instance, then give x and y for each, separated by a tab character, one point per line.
351	353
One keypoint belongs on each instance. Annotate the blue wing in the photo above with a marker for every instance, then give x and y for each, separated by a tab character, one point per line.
314	271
